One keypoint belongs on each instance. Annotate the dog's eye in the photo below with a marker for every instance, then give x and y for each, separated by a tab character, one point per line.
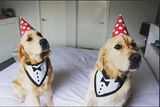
118	47
29	39
39	34
133	44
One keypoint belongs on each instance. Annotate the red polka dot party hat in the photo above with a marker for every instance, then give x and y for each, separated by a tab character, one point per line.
120	27
24	26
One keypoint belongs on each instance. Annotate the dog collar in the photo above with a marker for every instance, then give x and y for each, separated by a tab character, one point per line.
105	86
36	72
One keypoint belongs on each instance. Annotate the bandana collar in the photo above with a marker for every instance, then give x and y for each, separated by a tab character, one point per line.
105	86
36	72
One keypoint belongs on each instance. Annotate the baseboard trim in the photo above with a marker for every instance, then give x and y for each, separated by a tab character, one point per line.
7	63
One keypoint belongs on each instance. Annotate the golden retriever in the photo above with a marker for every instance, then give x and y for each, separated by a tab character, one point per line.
117	59
33	50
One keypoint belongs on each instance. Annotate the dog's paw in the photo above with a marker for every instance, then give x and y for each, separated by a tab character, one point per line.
16	95
22	99
49	104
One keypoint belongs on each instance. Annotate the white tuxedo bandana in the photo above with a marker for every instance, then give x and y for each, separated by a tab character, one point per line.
36	72
105	86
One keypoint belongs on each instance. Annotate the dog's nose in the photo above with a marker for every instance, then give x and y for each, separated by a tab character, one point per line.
135	57
43	42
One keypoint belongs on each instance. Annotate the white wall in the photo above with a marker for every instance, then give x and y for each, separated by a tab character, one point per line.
133	13
71	23
29	10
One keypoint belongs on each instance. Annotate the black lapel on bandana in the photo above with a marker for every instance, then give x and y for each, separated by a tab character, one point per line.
105	76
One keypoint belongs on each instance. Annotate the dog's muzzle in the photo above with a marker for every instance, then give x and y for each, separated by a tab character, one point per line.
135	59
44	43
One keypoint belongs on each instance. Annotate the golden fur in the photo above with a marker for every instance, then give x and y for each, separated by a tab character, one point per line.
113	61
31	51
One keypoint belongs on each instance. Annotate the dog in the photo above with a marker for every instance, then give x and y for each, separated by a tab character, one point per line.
110	80
35	70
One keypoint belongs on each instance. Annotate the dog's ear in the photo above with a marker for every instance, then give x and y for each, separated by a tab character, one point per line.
20	47
100	61
22	55
38	33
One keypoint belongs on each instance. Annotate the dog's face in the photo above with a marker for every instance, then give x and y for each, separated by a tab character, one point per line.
32	44
120	51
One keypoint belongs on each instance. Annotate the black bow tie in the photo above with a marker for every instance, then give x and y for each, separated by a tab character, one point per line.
39	68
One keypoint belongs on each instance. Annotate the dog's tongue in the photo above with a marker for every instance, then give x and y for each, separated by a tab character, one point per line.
120	27
24	26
